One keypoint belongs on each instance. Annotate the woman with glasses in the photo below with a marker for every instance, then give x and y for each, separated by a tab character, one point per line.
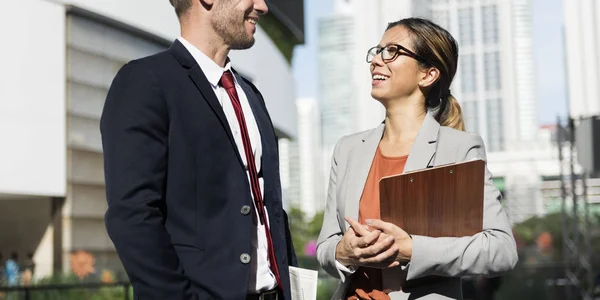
412	69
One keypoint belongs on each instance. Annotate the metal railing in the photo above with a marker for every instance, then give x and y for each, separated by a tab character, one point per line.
26	292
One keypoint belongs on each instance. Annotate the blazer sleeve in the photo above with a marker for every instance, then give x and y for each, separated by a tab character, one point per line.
134	128
330	233
490	252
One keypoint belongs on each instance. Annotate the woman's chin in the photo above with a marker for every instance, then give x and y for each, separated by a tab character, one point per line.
377	95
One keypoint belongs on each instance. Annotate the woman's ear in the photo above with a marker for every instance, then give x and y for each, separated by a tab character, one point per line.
429	76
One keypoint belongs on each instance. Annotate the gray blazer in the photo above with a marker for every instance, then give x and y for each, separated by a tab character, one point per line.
490	252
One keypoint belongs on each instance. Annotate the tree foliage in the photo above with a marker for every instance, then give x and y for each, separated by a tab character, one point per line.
303	228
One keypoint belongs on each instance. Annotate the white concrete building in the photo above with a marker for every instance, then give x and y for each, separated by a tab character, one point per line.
310	177
582	42
494	82
337	89
520	174
59	60
336	84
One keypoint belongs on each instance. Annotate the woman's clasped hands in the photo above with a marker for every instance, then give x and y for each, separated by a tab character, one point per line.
377	244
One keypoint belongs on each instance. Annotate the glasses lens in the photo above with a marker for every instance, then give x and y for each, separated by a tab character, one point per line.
389	52
371	54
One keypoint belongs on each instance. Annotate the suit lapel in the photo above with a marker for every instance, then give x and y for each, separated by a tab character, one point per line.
423	150
361	159
195	73
208	94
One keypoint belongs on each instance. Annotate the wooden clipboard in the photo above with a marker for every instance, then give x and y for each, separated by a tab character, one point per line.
444	201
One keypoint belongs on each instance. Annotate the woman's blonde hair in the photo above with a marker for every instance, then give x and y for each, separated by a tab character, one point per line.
439	49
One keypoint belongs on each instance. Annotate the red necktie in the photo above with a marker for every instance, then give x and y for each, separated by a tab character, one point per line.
229	85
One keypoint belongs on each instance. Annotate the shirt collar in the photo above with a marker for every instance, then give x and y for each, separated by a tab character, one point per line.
212	70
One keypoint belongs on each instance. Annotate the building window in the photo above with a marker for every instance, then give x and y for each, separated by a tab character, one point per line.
495	124
441	17
468	71
492	71
470	109
489	20
465	26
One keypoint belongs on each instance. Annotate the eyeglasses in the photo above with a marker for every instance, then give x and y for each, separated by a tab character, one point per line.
390	52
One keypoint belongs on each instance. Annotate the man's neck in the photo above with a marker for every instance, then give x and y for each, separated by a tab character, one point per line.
209	43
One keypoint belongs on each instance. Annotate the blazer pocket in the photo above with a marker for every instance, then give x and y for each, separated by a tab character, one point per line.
190	257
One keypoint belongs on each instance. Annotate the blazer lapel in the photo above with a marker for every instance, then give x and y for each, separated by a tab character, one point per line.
197	76
361	159
422	153
421	156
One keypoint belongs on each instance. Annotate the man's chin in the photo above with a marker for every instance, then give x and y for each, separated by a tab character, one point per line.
241	45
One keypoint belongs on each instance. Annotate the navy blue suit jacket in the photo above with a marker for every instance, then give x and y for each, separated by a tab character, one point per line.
176	185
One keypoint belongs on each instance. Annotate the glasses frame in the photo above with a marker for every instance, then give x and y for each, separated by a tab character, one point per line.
403	52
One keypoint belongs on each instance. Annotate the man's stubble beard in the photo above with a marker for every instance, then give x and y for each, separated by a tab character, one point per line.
227	26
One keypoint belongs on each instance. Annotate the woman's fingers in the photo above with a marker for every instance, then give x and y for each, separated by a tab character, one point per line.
377	248
388	228
381	225
383	259
360	229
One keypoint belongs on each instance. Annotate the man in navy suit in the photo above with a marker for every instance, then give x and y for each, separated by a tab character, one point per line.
192	166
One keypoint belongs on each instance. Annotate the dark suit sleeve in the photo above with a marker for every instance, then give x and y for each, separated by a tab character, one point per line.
291	253
134	127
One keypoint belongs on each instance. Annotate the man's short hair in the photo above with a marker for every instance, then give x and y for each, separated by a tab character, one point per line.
181	6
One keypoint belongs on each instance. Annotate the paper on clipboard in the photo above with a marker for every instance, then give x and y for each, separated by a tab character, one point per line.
303	283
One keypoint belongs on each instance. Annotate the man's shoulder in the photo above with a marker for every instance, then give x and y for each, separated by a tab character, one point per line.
155	61
159	67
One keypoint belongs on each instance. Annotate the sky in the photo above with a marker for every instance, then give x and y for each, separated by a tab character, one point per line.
549	60
548	52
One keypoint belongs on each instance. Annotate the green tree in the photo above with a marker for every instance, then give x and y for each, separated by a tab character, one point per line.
303	229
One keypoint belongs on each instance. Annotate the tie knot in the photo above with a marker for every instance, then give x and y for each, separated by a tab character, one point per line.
227	80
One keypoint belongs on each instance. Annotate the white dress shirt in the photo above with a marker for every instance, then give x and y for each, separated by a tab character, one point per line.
261	277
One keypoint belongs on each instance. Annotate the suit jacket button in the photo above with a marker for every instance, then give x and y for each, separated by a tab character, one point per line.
245	209
245	258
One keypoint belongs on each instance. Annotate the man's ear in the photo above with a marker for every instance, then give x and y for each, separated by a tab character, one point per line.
429	77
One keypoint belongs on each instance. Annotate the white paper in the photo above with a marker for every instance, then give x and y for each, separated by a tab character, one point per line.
303	283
